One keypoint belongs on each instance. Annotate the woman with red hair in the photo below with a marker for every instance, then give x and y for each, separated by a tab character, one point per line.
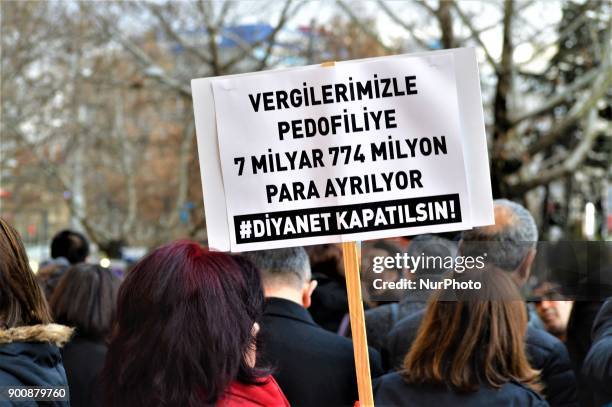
185	333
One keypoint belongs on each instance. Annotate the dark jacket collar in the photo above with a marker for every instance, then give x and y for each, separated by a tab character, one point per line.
602	325
280	307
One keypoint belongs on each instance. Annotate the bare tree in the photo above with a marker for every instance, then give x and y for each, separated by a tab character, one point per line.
111	124
522	139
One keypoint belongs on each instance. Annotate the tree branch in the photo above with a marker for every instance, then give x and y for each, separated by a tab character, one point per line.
497	23
151	69
362	26
247	49
206	9
125	152
578	155
566	31
95	233
263	62
557	99
443	15
408	27
445	19
225	8
504	76
475	35
580	108
183	174
157	12
427	7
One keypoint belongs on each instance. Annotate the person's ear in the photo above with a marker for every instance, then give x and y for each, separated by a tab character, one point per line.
255	329
307	293
251	355
524	269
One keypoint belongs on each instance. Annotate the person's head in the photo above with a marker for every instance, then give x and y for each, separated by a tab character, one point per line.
185	328
476	340
326	259
552	308
71	245
373	255
21	299
432	252
86	298
509	244
285	273
430	245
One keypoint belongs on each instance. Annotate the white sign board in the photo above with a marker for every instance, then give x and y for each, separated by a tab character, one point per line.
361	150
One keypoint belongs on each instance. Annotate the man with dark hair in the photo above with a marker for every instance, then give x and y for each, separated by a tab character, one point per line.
510	245
71	245
553	308
67	248
314	367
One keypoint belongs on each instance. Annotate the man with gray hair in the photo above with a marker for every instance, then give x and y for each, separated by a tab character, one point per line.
510	245
313	367
285	273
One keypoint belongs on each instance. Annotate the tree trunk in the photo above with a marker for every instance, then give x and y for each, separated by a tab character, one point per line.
445	20
502	123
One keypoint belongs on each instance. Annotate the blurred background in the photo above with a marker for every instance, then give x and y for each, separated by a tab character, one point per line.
97	128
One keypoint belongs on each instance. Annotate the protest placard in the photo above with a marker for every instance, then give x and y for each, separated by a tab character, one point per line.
369	149
366	149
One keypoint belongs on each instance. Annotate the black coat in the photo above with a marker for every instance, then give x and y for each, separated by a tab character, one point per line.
392	390
597	366
313	367
545	353
380	320
83	361
329	302
29	356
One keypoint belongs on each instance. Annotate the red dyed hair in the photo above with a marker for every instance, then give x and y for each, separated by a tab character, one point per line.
184	325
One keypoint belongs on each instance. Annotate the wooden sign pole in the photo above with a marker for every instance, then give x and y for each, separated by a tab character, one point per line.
360	341
351	258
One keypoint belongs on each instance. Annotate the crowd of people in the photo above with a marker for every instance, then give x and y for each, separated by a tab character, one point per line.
186	326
